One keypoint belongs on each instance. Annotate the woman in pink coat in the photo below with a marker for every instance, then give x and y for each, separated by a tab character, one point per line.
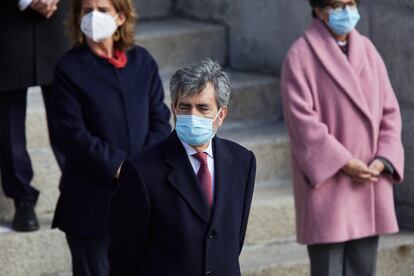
345	130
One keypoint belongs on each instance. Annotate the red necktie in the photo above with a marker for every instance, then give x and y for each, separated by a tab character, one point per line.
204	177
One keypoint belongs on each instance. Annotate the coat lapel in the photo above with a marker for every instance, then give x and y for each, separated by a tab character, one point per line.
356	52
224	178
345	72
183	178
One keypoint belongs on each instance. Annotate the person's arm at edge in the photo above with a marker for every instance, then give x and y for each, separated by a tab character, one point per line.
130	212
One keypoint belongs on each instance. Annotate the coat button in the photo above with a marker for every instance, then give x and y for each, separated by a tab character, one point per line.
211	235
209	273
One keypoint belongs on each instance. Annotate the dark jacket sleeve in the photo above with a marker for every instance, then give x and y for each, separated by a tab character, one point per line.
92	152
9	4
129	218
248	199
159	127
388	167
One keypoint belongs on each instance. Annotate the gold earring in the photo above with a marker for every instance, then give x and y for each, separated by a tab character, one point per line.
117	35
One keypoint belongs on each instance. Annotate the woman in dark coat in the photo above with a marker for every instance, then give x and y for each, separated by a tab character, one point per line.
109	105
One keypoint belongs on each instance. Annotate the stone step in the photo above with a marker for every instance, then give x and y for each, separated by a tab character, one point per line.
176	42
45	253
153	8
287	258
269	142
270	220
40	253
255	98
272	214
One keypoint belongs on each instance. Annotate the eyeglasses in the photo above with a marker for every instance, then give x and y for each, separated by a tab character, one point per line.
340	6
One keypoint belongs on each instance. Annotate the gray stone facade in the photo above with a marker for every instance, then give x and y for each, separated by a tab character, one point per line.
260	32
251	39
392	25
153	8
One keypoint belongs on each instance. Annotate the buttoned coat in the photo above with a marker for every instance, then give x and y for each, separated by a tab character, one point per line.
338	107
160	222
104	115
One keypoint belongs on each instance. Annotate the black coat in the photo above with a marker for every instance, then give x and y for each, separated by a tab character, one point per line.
160	223
104	115
30	45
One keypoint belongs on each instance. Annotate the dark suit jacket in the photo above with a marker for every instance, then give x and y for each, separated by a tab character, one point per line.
159	223
30	45
104	115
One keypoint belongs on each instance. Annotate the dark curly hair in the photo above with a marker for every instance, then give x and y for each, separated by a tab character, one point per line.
321	4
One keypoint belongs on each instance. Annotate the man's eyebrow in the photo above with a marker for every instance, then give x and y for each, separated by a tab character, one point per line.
203	105
339	2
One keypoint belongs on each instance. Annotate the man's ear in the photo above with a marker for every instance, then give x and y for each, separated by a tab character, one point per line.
222	116
173	113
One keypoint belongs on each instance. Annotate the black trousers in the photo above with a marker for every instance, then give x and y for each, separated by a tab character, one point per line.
15	164
89	255
351	258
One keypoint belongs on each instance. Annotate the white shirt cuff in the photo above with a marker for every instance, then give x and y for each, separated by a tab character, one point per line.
23	4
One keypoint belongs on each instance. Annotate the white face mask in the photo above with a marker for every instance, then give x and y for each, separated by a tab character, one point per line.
98	26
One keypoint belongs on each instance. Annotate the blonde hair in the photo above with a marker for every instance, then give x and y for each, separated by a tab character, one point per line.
126	30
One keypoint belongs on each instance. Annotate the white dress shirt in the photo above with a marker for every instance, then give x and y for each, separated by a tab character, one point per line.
23	4
196	164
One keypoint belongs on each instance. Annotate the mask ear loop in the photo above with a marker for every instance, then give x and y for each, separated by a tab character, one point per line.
215	117
218	112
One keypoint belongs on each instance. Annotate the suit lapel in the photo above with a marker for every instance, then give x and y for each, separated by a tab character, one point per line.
224	178
183	178
345	72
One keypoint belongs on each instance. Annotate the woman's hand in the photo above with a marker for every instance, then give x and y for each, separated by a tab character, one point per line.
360	172
378	166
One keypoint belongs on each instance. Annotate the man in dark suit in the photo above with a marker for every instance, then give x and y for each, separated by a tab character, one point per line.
182	206
32	38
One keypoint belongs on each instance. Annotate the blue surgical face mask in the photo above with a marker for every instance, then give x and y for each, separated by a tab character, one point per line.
344	21
195	130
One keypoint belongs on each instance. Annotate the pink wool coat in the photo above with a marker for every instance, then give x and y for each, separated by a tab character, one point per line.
338	107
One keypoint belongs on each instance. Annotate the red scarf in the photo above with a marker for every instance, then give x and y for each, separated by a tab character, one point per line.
119	60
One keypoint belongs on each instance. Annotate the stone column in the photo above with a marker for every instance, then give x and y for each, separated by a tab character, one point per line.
392	31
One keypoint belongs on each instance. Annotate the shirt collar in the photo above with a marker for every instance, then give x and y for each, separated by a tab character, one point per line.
342	43
191	151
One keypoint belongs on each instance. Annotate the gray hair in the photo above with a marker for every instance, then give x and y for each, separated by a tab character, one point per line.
192	80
